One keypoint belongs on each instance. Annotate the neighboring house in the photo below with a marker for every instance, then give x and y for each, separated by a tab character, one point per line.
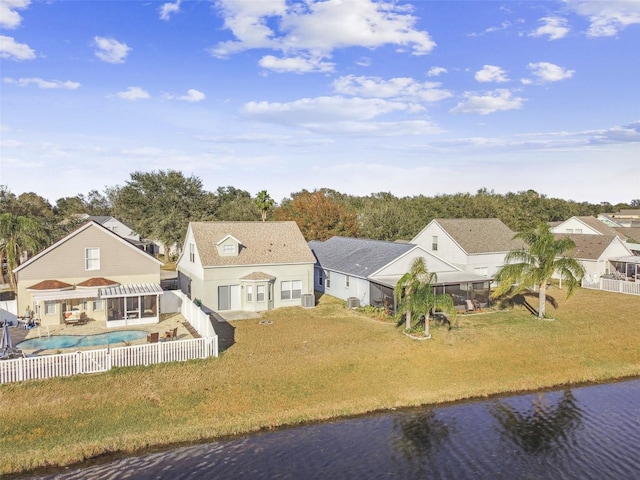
596	253
92	273
248	266
365	272
126	232
624	218
585	226
475	245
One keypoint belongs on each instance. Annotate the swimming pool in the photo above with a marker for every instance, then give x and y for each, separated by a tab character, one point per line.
77	341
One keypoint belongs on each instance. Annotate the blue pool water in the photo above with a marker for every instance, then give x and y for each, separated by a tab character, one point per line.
73	341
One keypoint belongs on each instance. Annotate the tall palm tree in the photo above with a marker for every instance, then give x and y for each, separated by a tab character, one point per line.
536	264
19	235
414	294
264	203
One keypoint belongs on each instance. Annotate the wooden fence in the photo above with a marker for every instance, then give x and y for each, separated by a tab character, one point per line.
612	285
102	360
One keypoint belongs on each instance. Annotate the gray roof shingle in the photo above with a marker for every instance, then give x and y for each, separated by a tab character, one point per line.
357	256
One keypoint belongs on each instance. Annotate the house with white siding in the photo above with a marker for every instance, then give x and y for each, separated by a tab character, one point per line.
91	274
365	272
475	245
246	266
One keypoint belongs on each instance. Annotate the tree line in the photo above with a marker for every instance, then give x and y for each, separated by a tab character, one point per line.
159	205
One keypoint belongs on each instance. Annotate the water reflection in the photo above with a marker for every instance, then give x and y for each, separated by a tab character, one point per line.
422	437
547	425
582	433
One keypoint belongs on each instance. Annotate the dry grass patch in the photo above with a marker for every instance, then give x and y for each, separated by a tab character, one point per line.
316	364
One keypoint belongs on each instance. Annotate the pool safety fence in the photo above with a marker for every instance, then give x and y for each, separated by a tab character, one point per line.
102	360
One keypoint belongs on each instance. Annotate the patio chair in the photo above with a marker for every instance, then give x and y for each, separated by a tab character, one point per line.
170	334
153	337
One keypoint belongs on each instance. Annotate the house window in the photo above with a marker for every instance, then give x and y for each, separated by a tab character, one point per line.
347	281
260	293
328	274
484	271
97	305
578	230
320	277
192	253
92	258
434	243
49	307
569	230
228	249
290	290
249	293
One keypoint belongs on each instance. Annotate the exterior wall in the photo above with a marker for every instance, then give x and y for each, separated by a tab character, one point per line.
489	261
191	269
358	287
573	225
206	289
116	226
594	268
448	249
119	261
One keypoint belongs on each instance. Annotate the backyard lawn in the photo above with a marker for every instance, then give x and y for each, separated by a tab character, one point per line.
316	364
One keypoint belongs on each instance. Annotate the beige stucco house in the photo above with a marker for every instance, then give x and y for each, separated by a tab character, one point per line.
246	266
91	274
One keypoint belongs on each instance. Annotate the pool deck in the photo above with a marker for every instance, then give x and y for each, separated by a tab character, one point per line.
167	322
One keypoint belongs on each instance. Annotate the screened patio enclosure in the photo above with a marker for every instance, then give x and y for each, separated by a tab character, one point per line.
132	304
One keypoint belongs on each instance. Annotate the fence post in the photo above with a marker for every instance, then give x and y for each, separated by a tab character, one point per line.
21	369
79	362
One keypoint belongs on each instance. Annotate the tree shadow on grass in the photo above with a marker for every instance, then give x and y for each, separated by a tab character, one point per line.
523	299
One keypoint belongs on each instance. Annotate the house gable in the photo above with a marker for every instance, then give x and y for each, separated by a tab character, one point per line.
229	246
585	226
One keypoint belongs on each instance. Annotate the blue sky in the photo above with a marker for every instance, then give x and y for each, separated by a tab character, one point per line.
408	97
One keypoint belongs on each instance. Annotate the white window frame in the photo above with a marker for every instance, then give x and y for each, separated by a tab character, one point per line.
320	277
434	243
346	281
50	307
97	305
249	293
228	249
328	280
260	293
290	289
91	260
192	253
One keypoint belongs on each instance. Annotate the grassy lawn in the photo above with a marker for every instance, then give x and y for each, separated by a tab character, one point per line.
316	364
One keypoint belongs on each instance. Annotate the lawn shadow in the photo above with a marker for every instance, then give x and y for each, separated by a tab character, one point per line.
225	331
522	300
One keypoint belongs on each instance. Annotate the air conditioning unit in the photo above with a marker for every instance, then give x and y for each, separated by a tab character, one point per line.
308	300
353	302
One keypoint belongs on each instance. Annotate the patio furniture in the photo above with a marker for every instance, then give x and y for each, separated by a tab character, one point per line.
153	337
170	334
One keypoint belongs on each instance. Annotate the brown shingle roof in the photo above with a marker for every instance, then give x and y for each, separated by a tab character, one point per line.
481	235
629	233
97	282
588	247
263	243
50	285
601	227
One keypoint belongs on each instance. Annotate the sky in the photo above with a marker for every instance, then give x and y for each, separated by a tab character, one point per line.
360	96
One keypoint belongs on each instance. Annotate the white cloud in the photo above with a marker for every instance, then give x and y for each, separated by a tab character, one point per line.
295	64
312	111
167	9
503	26
375	87
192	95
23	82
548	72
607	18
133	93
319	27
436	71
491	73
498	100
554	27
13	50
110	50
9	18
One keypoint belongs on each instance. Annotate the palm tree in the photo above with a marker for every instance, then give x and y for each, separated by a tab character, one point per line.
536	265
265	203
19	235
414	294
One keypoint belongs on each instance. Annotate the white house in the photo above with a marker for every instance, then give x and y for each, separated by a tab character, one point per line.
474	245
246	266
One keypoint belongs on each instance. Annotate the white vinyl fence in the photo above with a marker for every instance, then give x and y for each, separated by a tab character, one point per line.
94	361
612	285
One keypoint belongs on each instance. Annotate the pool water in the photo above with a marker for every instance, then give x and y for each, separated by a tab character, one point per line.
76	341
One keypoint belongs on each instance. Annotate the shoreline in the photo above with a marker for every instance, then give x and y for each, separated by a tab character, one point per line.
108	457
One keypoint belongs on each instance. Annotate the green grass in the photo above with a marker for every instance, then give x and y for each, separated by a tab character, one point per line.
316	364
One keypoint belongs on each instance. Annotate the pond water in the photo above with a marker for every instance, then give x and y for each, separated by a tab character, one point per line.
72	341
576	433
